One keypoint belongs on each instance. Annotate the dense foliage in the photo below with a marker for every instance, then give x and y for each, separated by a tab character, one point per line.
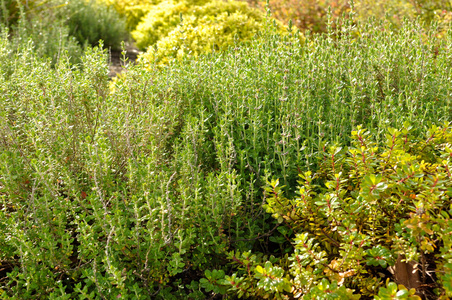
132	10
90	21
33	24
313	15
176	28
10	10
365	210
53	25
158	185
164	19
306	15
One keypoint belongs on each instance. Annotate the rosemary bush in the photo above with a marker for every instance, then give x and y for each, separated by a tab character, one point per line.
90	21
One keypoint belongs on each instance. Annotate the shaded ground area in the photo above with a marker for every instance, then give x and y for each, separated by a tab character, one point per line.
116	59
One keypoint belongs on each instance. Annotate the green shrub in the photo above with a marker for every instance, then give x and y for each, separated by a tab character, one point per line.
11	10
365	207
50	41
41	31
53	24
90	21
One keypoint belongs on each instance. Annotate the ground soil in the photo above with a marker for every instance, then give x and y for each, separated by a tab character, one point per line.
116	59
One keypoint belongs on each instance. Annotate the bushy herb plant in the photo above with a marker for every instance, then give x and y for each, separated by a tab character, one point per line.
90	21
118	206
135	191
55	26
10	10
36	27
278	99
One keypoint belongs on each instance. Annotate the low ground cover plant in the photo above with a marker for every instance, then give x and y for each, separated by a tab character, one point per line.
142	188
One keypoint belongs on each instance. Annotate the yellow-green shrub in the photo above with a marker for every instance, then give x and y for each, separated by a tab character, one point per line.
133	10
161	20
164	18
213	26
202	36
136	10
